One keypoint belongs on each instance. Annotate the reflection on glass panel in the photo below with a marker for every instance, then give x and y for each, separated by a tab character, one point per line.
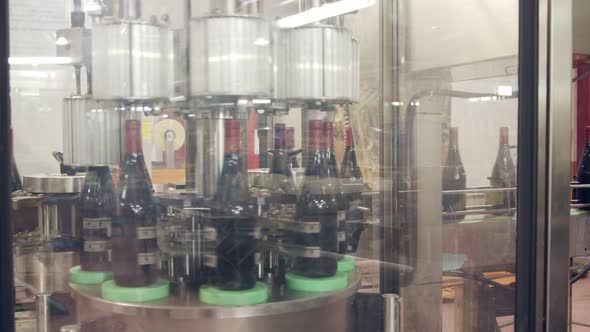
290	165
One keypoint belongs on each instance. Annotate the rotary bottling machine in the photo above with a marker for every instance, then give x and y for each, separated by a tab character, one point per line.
217	60
228	61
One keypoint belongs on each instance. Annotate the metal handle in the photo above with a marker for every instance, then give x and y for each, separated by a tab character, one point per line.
391	309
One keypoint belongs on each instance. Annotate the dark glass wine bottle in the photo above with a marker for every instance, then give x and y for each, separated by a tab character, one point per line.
503	176
282	188
332	169
290	145
98	205
453	178
584	172
134	242
232	217
318	203
352	188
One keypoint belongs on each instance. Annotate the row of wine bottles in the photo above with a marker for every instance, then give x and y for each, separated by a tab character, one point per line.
503	177
123	219
321	199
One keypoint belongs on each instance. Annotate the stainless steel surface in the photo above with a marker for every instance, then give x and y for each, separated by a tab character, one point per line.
92	132
76	44
205	141
556	157
53	183
231	56
188	306
287	312
333	316
260	177
70	328
391	313
579	230
42	272
317	63
132	60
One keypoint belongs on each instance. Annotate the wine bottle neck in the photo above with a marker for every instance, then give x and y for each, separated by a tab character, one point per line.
280	136
133	139
348	139
329	136
290	140
315	135
232	136
504	136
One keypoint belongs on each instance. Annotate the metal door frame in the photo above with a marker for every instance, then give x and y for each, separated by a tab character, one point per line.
545	58
6	264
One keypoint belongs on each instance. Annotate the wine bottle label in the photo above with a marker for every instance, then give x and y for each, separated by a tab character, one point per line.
341	237
288	209
210	234
257	233
341	216
147	258
210	260
95	246
96	223
146	233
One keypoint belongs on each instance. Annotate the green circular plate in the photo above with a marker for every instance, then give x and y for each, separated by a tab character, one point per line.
215	296
330	284
346	264
110	291
80	277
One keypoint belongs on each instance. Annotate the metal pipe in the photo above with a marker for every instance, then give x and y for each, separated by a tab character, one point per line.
391	309
170	156
477	212
43	314
309	4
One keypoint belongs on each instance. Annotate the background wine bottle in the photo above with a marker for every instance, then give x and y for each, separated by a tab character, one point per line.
352	185
503	176
232	218
317	203
282	188
98	205
584	172
331	171
290	145
134	243
454	178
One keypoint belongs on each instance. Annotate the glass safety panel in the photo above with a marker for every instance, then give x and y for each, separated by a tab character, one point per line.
264	165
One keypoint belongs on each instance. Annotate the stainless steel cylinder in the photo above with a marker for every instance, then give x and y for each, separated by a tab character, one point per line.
92	132
205	142
231	56
316	63
132	60
391	312
286	311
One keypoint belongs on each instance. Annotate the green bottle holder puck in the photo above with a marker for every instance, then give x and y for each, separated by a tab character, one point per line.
80	277
159	290
317	285
215	296
346	264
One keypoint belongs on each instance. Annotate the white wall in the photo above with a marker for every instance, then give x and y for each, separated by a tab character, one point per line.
37	91
479	126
